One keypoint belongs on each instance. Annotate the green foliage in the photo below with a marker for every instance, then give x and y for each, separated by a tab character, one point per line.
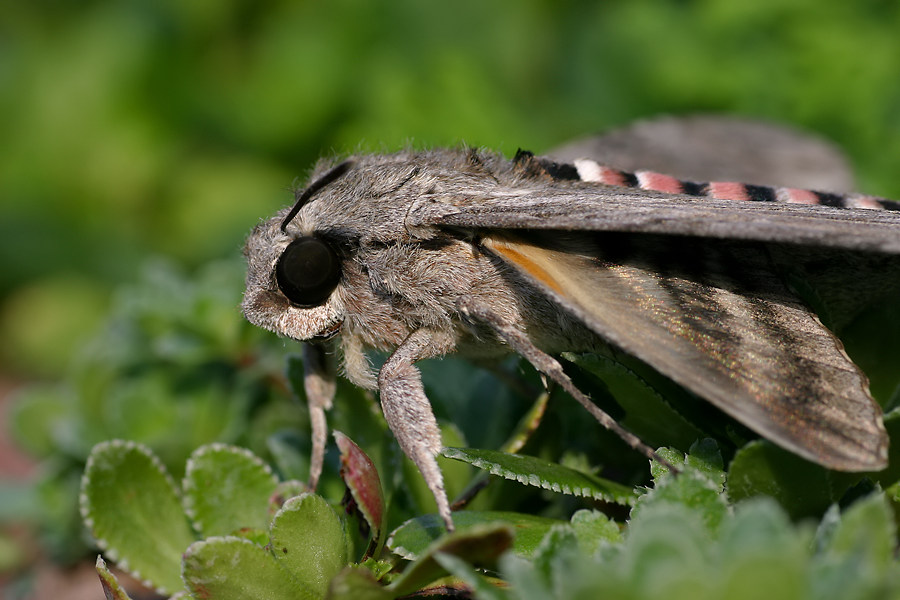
684	537
237	504
760	468
684	540
207	537
173	368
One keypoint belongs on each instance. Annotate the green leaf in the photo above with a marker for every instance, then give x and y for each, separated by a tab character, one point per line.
465	572
111	587
690	489
308	540
356	583
856	556
232	568
524	579
480	545
227	489
559	544
593	529
660	471
759	525
761	468
378	568
704	458
131	507
867	529
524	430
647	414
540	473
412	539
762	555
664	542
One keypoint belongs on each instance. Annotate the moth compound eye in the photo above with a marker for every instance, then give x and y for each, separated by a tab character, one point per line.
307	272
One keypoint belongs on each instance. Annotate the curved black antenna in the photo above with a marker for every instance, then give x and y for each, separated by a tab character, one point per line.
313	188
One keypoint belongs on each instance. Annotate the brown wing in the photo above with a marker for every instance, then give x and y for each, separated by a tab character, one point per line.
716	319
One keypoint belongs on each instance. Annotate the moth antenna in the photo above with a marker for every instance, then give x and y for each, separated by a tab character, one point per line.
313	189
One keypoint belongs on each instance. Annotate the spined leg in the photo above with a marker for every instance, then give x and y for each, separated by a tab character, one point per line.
319	384
408	412
548	365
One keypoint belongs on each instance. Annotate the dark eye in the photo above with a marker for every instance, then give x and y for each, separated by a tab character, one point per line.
307	272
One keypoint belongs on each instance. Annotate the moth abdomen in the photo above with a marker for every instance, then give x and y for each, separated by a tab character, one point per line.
592	171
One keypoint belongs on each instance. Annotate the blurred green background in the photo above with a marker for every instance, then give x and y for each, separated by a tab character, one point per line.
142	127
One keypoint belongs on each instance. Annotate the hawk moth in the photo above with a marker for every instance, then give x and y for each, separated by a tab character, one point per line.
424	253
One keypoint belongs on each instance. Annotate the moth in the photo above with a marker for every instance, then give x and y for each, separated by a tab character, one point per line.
425	253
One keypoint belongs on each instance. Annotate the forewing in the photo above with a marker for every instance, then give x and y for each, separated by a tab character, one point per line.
718	148
719	322
597	207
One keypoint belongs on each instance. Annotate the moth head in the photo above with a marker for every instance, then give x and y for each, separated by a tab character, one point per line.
293	275
321	264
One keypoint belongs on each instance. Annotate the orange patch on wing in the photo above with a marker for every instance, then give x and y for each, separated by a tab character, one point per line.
521	260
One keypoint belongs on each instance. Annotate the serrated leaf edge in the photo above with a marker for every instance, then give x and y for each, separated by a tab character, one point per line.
187	481
404	553
291	504
84	509
400	551
535	481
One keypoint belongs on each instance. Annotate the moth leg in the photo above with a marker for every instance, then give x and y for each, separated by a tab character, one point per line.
408	412
549	366
319	385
